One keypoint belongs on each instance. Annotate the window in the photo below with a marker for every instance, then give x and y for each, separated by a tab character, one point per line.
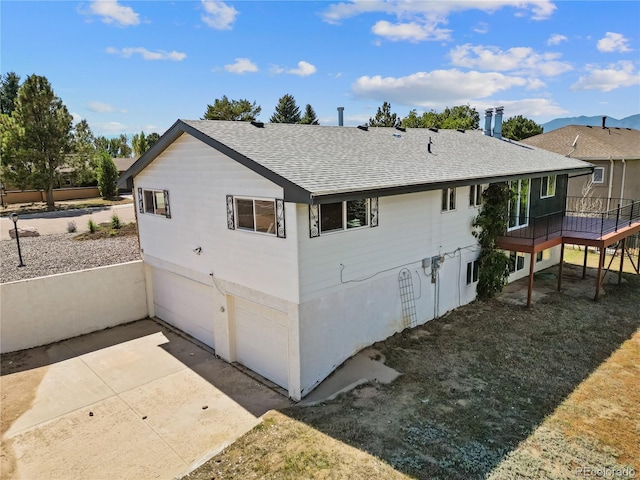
448	199
548	186
475	195
155	202
519	203
256	215
541	256
598	175
516	261
472	271
344	215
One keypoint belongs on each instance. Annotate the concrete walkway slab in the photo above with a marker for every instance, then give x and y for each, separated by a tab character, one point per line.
136	401
365	366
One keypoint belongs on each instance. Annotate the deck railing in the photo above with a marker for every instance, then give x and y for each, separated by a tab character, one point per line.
584	218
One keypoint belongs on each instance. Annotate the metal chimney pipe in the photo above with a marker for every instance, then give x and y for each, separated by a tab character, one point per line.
488	113
341	116
497	128
604	121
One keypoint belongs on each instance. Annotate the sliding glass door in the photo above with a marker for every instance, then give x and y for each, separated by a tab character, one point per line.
519	203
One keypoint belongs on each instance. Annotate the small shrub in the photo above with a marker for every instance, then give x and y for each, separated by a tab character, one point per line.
112	233
93	227
115	221
71	226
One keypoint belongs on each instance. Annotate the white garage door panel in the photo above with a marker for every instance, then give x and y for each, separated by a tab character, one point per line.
186	304
261	340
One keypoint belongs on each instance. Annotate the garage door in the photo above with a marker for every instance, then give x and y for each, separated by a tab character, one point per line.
261	340
184	303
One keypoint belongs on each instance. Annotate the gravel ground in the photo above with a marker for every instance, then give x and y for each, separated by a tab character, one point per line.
59	253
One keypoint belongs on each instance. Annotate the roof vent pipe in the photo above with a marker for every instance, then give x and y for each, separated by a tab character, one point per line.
497	127
488	113
341	116
604	121
429	145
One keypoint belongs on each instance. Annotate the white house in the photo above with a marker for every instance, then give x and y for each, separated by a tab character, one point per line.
289	248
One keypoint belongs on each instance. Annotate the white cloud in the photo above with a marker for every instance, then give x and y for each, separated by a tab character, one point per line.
276	70
530	107
436	88
219	15
422	20
481	28
412	31
621	74
114	13
110	128
147	54
242	65
556	39
521	60
100	107
304	69
613	42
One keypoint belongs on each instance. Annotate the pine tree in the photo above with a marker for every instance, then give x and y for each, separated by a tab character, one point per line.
41	140
384	117
309	116
107	174
234	110
140	144
286	111
9	87
84	154
519	127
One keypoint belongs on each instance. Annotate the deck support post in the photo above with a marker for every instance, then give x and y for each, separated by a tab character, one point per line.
584	263
624	243
600	265
560	266
532	257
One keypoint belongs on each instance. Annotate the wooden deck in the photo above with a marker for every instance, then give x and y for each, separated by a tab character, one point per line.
594	230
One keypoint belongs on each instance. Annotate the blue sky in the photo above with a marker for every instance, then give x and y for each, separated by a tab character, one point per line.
127	66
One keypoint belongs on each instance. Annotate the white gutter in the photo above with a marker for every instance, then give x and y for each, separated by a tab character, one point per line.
624	171
610	183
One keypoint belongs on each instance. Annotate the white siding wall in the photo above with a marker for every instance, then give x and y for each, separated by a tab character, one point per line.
338	319
198	179
551	258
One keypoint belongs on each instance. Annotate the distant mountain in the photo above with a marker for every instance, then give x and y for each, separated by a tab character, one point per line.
628	122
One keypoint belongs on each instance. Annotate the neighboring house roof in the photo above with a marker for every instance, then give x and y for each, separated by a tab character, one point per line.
319	164
124	163
590	143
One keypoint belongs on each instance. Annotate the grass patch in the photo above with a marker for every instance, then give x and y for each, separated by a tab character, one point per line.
491	390
576	257
38	207
105	230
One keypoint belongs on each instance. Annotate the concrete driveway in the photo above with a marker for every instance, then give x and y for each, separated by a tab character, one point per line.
56	222
135	401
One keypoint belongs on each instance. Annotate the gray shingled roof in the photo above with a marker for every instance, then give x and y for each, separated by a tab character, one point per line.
593	143
331	161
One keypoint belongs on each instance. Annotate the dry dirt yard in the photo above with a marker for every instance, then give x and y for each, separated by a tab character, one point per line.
490	390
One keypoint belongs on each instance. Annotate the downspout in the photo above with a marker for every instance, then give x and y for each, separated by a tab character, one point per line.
624	171
610	181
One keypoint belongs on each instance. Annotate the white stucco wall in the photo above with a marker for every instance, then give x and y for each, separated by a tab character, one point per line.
43	310
350	290
198	179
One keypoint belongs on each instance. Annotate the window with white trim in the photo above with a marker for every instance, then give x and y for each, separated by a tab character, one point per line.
255	215
516	261
475	195
548	186
344	215
598	175
448	199
154	202
472	271
541	256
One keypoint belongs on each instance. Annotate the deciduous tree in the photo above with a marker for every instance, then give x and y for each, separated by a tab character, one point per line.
152	138
84	159
140	144
234	110
39	144
107	174
519	128
287	111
